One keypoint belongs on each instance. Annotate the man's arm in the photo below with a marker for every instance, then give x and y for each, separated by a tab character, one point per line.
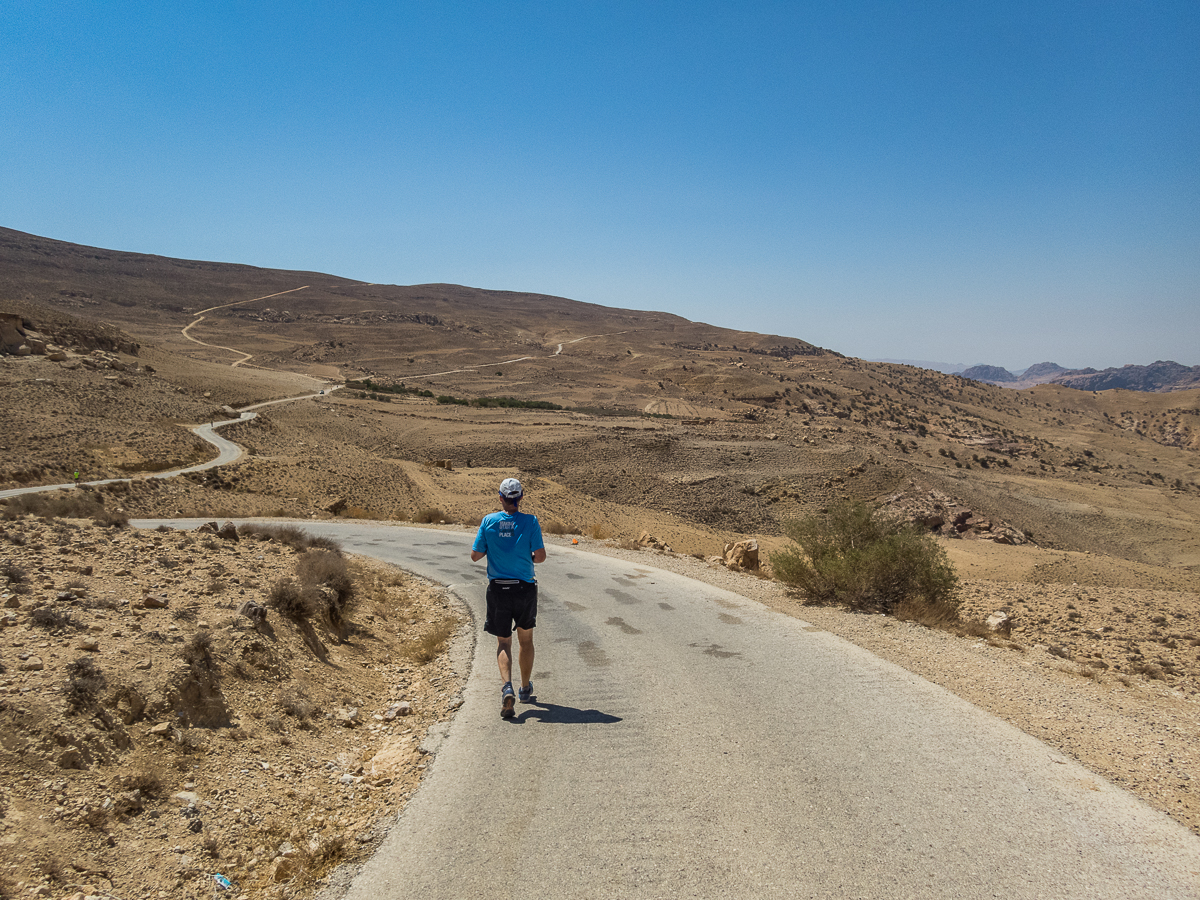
477	555
539	555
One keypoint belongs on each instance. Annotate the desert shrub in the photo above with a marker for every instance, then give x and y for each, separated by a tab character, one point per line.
52	617
64	504
294	702
324	567
197	651
599	532
292	601
84	683
858	558
292	536
429	515
431	643
13	573
553	526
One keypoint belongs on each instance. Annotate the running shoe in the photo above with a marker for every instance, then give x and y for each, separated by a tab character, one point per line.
507	701
526	693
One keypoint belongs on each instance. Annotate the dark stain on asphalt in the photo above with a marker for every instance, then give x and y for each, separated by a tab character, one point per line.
729	620
666	606
624	582
622	597
715	650
592	655
575	577
574	607
623	625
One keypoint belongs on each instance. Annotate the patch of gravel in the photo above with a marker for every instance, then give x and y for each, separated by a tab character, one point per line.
1143	735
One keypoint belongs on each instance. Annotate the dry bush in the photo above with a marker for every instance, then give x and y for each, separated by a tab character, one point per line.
197	651
629	544
325	567
54	618
84	683
13	573
210	846
429	645
858	558
431	515
553	526
359	512
599	532
294	702
190	740
472	521
292	601
150	779
291	536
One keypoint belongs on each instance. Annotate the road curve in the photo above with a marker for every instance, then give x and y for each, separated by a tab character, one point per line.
687	742
227	450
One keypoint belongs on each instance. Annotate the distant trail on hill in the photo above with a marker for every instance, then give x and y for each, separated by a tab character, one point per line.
506	362
228	451
201	317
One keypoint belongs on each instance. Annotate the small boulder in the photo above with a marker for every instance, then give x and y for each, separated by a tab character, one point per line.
403	708
32	664
336	506
743	554
347	717
1000	622
228	532
155	601
254	611
89	644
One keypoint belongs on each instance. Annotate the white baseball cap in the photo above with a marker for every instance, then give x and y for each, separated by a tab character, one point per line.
510	489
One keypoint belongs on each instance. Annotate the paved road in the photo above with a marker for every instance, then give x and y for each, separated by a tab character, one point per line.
228	451
687	742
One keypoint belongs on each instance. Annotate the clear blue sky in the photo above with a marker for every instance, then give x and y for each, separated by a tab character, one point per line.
1000	182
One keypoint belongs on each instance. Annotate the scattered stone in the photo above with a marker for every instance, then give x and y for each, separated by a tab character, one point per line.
403	708
254	611
743	555
186	798
347	717
89	644
336	506
144	664
162	729
32	664
155	601
12	602
1000	622
228	532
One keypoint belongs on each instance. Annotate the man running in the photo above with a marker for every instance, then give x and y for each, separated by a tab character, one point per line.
512	542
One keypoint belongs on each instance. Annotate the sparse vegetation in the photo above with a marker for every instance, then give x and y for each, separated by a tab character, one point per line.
857	557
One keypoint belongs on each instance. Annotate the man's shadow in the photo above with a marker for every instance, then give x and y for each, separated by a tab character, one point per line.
552	713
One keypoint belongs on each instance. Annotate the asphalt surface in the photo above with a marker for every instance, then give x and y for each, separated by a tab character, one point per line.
687	742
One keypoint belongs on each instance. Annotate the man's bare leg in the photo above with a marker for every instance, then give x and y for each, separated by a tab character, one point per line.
504	658
525	660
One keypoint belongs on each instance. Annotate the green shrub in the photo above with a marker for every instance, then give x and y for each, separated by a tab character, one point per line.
856	557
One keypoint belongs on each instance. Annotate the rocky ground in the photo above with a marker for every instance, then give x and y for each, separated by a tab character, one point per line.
153	736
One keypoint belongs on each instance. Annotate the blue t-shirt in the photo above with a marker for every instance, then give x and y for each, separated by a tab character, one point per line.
509	540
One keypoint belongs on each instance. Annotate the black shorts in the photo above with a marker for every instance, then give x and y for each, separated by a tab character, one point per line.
508	602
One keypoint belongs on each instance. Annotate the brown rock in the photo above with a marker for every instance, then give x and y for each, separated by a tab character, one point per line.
33	664
155	601
228	532
743	554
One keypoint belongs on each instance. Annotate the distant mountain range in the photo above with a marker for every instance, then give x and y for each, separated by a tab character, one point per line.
1159	377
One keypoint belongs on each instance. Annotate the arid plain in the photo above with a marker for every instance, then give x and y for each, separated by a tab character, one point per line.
1082	509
